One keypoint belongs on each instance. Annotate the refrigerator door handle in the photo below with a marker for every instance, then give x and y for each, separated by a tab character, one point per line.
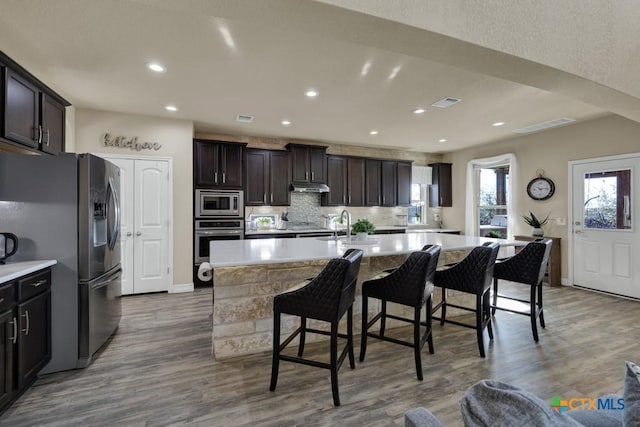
113	234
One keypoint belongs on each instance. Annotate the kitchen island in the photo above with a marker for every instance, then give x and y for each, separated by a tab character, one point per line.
248	273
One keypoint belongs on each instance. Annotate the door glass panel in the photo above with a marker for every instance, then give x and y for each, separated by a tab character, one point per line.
607	200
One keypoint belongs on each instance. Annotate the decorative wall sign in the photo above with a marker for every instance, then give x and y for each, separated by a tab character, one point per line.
132	143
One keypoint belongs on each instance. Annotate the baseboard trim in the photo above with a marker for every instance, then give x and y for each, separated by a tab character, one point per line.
178	288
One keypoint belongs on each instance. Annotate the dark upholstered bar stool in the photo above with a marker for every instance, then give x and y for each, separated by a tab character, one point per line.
471	275
327	297
527	267
411	285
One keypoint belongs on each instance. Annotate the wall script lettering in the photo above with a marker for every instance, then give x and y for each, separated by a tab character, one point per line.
132	143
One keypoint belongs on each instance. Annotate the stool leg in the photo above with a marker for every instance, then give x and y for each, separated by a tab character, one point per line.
303	335
532	314
443	306
486	313
430	324
495	296
334	363
383	319
352	358
276	351
363	336
479	328
416	341
540	305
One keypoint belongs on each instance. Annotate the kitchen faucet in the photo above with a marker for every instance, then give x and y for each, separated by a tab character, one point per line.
344	211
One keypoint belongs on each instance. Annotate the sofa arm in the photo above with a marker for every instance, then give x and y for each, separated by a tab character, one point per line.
420	417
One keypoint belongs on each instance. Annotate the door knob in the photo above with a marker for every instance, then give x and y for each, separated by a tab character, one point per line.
138	233
129	233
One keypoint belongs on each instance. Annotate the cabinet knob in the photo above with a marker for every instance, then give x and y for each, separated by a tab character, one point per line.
138	233
129	233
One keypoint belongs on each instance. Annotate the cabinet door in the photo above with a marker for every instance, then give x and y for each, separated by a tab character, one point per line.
300	164
21	115
279	179
404	184
372	182
230	170
257	177
337	182
52	125
355	182
389	182
206	164
7	332
440	189
34	340
318	165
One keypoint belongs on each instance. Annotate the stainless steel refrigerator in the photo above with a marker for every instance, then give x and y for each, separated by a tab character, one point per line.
66	208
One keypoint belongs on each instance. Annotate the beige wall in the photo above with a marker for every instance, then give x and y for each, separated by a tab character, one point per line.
550	150
175	136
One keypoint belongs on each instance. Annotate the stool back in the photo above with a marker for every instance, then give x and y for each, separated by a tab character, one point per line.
354	257
527	266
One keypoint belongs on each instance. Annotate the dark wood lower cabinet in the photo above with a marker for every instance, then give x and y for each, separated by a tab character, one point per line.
25	333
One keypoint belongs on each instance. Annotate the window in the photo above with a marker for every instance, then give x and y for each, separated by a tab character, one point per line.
492	201
417	209
607	200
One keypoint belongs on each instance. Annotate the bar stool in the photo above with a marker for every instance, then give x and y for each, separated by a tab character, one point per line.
326	297
471	275
410	285
527	267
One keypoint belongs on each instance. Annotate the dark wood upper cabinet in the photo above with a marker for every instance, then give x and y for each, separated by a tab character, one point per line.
440	190
279	178
372	182
404	184
355	181
218	164
21	110
32	115
389	182
53	117
267	178
308	163
337	182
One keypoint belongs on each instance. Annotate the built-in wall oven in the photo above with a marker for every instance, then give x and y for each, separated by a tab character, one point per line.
219	203
207	230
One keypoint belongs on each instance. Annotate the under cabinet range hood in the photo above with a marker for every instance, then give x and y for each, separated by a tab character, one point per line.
306	187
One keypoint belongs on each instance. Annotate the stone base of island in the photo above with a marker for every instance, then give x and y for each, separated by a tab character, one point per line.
247	274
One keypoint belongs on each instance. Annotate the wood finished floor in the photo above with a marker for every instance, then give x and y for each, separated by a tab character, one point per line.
158	370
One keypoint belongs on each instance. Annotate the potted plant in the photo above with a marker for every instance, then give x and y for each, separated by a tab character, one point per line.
264	222
361	228
535	223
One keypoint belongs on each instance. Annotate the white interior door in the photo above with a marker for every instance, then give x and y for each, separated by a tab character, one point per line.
151	223
605	238
145	225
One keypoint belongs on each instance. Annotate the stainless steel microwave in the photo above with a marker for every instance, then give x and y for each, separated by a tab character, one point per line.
216	203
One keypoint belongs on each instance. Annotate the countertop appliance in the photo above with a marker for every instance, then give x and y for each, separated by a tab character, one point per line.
65	207
218	203
8	245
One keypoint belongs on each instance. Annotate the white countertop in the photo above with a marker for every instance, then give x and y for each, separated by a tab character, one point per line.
432	230
13	270
315	230
227	253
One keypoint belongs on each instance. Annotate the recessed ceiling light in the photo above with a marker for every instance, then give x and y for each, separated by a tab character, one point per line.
442	140
373	132
286	123
419	111
154	66
496	124
171	108
311	93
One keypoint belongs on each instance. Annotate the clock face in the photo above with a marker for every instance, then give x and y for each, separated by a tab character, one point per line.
540	188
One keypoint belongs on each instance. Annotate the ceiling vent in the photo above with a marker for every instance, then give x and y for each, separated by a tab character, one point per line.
244	118
544	125
446	102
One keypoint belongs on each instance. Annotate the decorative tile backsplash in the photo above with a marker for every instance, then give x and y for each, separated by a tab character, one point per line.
305	207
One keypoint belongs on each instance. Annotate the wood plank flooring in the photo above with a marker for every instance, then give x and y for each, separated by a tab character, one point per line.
158	370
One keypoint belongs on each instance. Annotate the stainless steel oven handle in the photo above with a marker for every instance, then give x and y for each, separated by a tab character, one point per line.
218	233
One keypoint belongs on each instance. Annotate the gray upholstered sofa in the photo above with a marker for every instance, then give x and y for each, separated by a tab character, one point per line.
493	403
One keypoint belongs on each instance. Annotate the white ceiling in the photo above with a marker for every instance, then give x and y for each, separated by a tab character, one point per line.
94	53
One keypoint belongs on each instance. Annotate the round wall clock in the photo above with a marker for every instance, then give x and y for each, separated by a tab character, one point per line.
540	188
